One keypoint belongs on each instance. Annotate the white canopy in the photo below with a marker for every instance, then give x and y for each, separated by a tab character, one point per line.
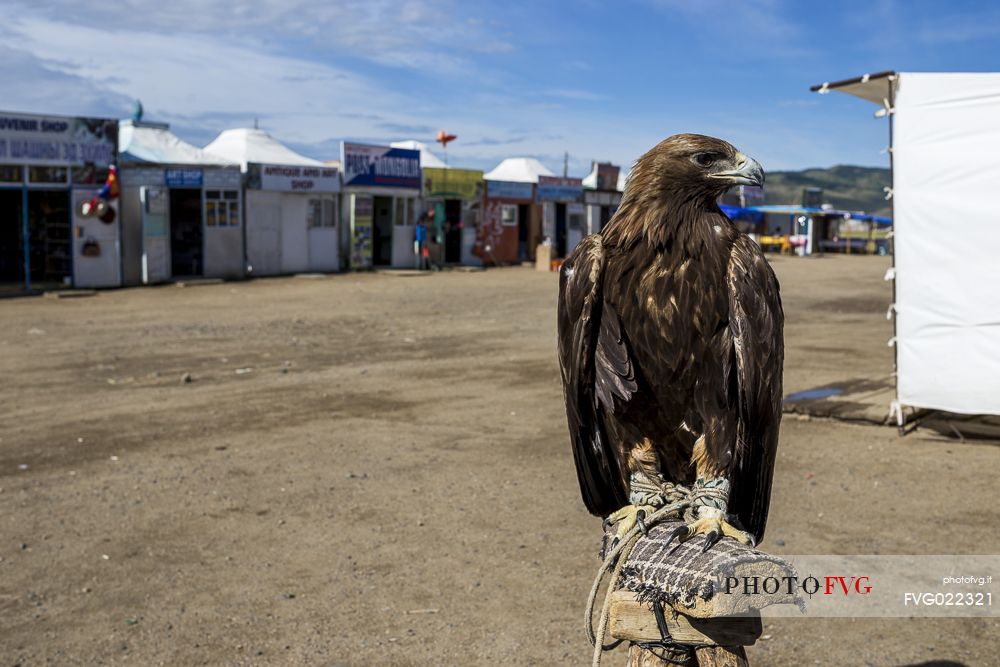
945	139
154	142
246	144
427	159
518	169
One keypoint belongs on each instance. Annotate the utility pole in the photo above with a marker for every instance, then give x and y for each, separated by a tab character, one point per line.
565	164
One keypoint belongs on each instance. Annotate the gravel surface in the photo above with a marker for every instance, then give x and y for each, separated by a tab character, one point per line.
374	470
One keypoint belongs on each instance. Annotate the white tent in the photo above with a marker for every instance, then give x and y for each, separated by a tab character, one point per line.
154	142
427	159
292	204
945	136
519	170
244	145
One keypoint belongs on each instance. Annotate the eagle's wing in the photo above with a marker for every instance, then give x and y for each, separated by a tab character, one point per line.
756	322
597	374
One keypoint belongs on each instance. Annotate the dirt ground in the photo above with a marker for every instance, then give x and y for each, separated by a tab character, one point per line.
374	470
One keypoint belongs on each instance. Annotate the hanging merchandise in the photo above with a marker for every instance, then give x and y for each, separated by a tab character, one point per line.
91	248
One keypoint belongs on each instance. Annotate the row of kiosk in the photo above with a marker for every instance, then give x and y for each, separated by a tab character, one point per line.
246	205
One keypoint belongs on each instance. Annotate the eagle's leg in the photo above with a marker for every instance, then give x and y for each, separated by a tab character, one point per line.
645	497
709	501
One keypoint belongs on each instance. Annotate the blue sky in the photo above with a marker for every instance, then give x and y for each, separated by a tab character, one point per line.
601	80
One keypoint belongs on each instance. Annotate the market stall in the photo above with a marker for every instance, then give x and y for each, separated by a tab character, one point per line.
292	204
511	226
181	208
50	168
380	195
455	197
563	220
601	195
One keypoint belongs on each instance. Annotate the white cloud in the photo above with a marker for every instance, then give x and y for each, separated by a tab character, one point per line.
420	34
204	85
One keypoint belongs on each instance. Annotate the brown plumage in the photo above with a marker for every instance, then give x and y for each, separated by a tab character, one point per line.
670	328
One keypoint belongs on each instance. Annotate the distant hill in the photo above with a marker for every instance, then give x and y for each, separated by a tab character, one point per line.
844	186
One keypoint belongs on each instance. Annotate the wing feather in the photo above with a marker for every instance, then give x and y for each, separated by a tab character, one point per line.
597	373
756	323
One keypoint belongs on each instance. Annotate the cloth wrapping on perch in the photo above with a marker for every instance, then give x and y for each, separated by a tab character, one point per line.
690	581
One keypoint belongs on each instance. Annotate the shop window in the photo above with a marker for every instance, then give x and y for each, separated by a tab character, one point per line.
222	208
11	173
90	174
576	221
48	175
508	215
322	213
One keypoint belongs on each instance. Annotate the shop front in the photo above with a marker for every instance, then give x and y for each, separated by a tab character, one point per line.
563	215
181	208
380	196
511	224
601	196
184	221
455	196
292	219
51	168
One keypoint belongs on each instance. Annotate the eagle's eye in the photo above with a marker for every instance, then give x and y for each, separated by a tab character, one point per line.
706	159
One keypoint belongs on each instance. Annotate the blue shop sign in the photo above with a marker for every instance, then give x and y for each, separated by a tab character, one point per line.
380	166
183	178
554	188
508	190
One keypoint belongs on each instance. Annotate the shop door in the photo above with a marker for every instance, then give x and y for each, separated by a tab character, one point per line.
382	232
294	233
96	246
186	234
264	233
523	221
11	241
48	236
324	251
605	216
453	231
155	234
403	233
560	239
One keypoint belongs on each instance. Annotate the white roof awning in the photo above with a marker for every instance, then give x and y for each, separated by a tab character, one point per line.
519	170
155	143
872	87
244	145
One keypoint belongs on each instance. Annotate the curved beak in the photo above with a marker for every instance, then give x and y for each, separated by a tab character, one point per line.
747	172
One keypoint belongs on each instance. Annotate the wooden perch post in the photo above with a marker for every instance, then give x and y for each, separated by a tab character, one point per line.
714	642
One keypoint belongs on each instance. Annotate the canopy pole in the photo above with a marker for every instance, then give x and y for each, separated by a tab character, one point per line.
895	275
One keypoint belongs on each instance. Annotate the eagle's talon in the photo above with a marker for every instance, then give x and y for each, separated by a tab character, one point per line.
627	518
713	528
640	520
677	532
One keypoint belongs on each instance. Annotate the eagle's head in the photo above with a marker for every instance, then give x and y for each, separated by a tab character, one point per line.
694	166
